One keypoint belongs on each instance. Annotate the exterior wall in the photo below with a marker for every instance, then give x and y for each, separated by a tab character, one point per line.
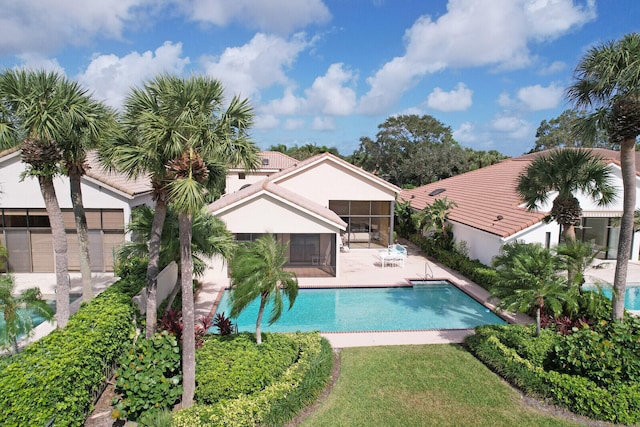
328	181
234	183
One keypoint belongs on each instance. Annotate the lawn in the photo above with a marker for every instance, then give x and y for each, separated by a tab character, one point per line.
440	385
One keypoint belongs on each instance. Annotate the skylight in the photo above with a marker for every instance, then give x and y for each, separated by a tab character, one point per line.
437	191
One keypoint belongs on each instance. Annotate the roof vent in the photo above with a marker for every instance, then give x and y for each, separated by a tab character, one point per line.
265	161
437	191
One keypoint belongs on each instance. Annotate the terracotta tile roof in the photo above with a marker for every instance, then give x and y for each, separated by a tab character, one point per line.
486	194
294	199
271	161
304	164
118	181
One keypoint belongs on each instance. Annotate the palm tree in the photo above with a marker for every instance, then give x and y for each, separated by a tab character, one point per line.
529	279
177	131
159	126
16	311
566	171
98	121
39	110
607	85
435	216
210	237
257	272
576	256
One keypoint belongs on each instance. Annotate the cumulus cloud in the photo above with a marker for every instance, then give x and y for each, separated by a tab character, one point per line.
553	68
323	123
35	61
473	33
513	127
465	134
265	121
273	16
539	97
504	100
458	99
293	124
256	65
330	94
42	26
110	77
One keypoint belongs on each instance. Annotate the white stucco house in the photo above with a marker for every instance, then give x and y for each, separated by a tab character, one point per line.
316	207
489	212
24	225
271	162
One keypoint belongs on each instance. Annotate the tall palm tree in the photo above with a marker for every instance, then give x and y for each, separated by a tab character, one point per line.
566	171
16	311
529	279
178	131
607	86
39	109
210	237
257	272
158	127
98	121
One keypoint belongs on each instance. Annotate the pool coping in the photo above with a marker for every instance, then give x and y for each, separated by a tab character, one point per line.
392	337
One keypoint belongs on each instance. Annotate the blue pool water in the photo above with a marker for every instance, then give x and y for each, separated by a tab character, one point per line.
36	318
631	295
432	305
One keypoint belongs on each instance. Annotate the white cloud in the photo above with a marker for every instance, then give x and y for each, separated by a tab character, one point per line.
504	100
38	62
513	127
458	99
265	121
323	123
111	77
293	124
256	65
472	33
329	95
45	25
274	16
541	98
465	134
553	68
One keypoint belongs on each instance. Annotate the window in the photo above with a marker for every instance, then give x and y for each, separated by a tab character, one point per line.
242	175
265	162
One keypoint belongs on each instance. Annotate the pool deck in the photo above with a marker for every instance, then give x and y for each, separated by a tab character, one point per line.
358	268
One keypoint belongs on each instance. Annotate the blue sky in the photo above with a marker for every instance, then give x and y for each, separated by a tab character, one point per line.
328	72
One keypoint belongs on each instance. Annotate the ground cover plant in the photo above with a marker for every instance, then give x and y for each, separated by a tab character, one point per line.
440	385
268	384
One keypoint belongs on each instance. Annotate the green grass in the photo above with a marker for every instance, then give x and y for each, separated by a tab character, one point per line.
440	385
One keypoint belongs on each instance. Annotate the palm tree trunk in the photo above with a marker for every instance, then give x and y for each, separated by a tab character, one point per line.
188	316
569	232
538	321
83	234
174	293
153	267
263	303
60	248
16	350
628	167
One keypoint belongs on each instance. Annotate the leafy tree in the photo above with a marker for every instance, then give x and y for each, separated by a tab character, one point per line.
210	237
40	111
257	272
566	171
16	311
529	280
304	151
404	218
560	132
434	218
477	159
607	88
410	149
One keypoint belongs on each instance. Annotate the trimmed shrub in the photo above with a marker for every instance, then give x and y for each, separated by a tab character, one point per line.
149	377
298	386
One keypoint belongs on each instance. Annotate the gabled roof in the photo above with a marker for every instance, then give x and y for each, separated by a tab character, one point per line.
486	198
295	200
96	173
272	161
328	157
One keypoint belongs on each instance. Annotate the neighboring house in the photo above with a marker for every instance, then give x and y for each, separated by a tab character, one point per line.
315	207
271	162
24	225
489	212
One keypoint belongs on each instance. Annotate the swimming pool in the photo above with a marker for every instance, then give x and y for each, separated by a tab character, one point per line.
631	294
425	306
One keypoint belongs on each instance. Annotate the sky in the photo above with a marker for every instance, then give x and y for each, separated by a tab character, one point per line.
328	72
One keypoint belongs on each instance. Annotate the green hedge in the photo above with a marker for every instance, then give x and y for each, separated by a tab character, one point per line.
619	404
57	377
277	403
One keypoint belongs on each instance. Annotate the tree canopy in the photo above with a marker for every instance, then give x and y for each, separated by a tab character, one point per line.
560	132
304	151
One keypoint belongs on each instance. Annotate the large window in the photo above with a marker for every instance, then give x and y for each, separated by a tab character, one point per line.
602	233
369	222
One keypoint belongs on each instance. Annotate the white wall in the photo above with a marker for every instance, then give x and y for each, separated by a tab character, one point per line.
328	181
234	183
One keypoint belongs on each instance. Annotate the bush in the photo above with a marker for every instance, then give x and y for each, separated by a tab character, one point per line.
522	339
229	367
608	354
298	386
620	403
59	376
149	377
